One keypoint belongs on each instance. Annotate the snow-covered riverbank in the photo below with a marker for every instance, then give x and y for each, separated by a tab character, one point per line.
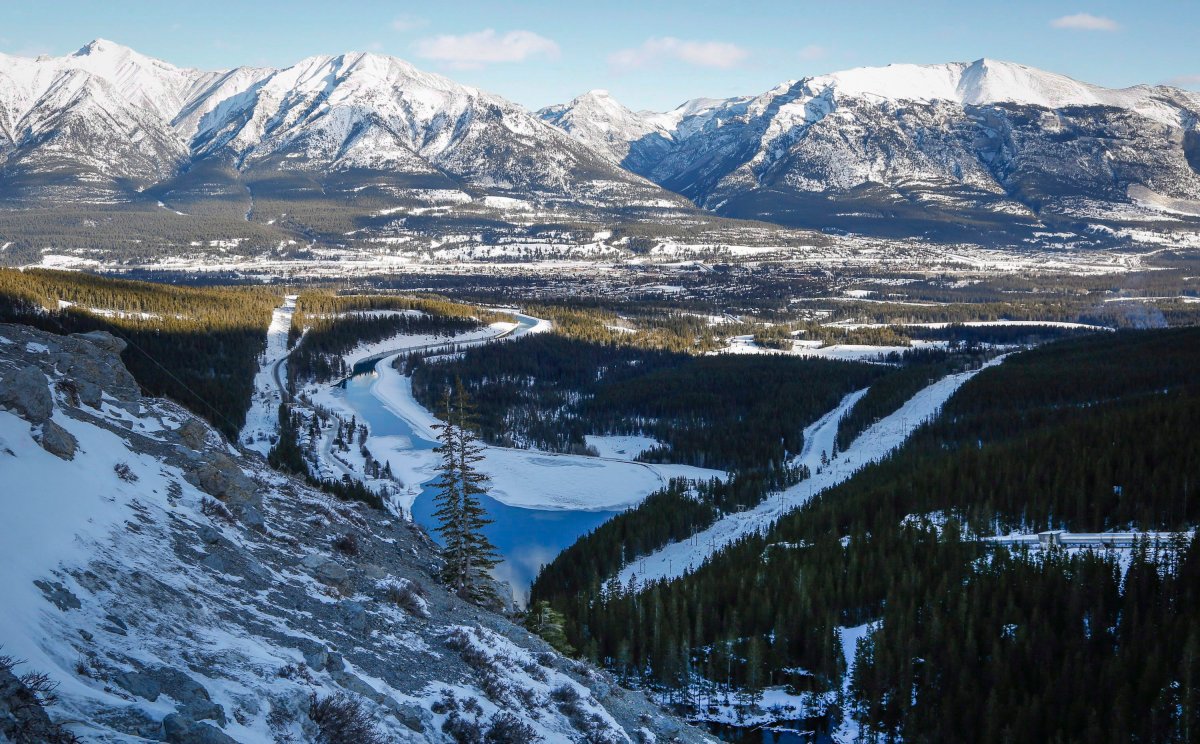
530	479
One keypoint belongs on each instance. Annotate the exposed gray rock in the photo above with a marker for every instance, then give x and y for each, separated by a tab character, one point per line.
25	391
413	717
250	516
22	718
326	570
58	441
139	684
95	370
151	682
59	595
193	433
89	393
218	475
178	728
316	659
104	340
216	562
354	617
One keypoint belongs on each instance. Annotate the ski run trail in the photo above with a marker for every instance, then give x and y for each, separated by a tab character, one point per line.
262	420
676	559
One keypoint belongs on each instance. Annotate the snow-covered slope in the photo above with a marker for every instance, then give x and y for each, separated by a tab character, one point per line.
129	118
176	589
603	124
960	149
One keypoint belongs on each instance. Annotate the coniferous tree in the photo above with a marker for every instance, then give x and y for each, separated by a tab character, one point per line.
467	551
548	623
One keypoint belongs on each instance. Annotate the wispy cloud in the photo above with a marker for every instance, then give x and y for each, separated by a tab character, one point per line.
1185	81
485	47
812	51
408	22
700	53
1085	22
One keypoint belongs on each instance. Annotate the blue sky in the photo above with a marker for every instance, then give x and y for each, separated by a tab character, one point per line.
649	54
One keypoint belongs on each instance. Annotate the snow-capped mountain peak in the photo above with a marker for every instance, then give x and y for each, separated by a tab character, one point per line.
977	128
984	81
324	114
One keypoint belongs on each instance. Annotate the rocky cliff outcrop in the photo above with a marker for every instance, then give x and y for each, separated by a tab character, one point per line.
178	590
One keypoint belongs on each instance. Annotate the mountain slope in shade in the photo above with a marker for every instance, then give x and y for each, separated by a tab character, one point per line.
954	151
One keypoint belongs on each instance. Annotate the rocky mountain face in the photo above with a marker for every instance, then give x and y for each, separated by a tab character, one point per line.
126	123
952	151
106	154
176	589
332	149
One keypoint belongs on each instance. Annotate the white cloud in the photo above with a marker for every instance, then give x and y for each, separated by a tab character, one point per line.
1085	22
407	22
485	47
700	53
1185	81
812	51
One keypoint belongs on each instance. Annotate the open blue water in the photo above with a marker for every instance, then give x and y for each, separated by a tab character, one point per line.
526	538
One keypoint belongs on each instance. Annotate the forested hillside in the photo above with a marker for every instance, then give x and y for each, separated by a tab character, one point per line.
198	346
334	324
977	642
728	412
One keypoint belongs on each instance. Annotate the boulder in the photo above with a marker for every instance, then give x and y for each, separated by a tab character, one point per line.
26	392
316	659
413	717
178	728
250	516
327	571
193	434
151	682
355	618
96	370
58	441
104	340
139	684
218	475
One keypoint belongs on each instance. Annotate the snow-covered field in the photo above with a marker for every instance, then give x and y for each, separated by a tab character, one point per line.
979	324
871	446
627	446
807	348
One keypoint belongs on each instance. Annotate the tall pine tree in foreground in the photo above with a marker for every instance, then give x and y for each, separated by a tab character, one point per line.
468	553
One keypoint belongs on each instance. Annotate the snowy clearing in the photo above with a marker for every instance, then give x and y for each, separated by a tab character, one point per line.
627	446
262	420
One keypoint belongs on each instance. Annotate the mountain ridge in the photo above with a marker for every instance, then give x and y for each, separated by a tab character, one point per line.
342	152
922	149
